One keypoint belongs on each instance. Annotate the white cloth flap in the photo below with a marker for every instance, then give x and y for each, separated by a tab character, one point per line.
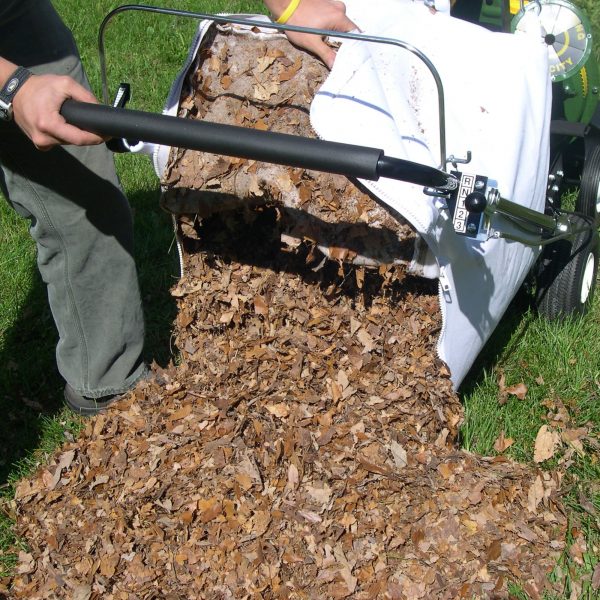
497	94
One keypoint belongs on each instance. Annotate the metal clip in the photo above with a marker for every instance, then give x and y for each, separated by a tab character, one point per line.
122	97
463	161
435	192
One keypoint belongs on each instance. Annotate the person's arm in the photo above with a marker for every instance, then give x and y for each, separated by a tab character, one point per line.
320	14
36	107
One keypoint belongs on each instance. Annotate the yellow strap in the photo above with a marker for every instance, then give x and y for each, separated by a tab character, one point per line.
288	12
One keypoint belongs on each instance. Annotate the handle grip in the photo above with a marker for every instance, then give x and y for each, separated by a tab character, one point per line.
294	151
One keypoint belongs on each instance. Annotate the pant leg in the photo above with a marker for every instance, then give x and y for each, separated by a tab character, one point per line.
82	226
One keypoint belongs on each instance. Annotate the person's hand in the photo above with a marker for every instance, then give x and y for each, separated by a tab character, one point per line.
318	14
36	109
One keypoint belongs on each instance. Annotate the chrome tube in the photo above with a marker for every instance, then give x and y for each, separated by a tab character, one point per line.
224	19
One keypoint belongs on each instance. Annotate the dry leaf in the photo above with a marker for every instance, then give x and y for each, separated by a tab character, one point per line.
280	410
596	577
494	550
519	390
320	495
181	413
81	592
546	443
260	306
502	443
535	494
264	90
264	62
502	395
293	476
366	340
26	563
399	454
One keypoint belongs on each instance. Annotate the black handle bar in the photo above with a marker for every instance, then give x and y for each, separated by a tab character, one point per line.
242	142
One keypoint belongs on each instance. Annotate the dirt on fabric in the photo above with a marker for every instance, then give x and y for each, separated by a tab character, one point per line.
306	444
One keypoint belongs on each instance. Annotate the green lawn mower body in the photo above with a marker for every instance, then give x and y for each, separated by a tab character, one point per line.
576	86
564	277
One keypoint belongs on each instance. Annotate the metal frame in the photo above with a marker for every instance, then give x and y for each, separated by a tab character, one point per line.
226	19
556	226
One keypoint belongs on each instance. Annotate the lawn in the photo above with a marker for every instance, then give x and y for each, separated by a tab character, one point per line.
556	363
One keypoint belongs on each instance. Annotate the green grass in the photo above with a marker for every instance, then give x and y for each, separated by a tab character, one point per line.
558	362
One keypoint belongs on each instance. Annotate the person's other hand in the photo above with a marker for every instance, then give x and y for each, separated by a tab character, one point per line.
36	109
318	14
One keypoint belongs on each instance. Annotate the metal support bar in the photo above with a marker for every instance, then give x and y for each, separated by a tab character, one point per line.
497	204
570	234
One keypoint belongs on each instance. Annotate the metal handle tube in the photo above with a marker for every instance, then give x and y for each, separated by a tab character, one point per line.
224	19
516	211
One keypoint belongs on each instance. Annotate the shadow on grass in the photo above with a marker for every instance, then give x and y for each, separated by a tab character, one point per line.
30	385
499	342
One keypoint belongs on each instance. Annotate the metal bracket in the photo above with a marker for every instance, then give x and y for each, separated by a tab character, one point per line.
467	220
455	161
122	97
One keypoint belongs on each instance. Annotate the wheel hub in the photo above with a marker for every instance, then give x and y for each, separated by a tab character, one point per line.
565	30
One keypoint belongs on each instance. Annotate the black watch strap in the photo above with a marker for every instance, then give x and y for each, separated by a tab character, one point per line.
8	91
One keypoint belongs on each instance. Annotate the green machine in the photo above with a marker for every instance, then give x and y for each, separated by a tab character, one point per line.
575	128
567	32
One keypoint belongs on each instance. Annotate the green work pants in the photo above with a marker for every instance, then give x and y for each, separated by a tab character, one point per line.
80	220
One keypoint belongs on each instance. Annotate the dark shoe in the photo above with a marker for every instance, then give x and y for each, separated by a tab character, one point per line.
87	406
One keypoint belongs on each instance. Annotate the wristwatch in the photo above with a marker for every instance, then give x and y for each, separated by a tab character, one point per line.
7	93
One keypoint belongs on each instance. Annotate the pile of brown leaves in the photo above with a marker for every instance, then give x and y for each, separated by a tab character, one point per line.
268	85
304	447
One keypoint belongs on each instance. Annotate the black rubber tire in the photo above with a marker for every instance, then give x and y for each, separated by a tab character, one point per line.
567	277
589	189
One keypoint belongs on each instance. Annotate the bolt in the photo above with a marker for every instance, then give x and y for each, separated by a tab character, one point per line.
551	177
479	185
560	174
555	188
472	228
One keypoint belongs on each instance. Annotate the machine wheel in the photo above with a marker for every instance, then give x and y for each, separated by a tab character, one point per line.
567	277
588	200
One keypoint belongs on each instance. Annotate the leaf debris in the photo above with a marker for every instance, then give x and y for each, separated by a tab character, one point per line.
305	445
